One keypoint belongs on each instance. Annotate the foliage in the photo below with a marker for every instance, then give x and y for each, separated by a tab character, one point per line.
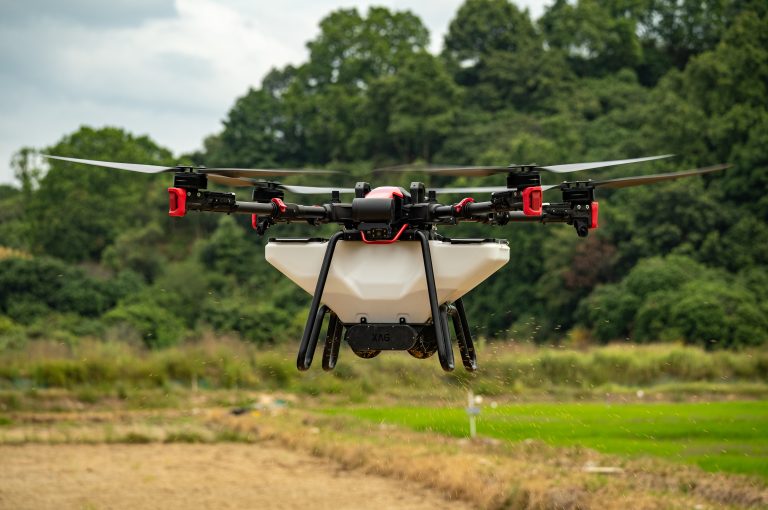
588	80
155	326
30	287
79	211
677	299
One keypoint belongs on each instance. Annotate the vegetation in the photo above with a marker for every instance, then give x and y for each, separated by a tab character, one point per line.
97	370
89	252
486	473
717	436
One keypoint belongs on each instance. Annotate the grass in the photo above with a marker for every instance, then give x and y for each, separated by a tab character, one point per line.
96	369
717	436
488	474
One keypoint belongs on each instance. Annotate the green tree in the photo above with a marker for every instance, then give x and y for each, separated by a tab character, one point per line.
418	107
31	287
78	210
353	50
595	40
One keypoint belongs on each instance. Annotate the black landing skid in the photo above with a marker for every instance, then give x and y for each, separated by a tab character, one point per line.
367	340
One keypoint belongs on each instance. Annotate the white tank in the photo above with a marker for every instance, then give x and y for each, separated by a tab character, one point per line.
386	282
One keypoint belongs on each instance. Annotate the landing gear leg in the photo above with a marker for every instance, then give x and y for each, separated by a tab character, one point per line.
464	336
444	351
332	342
315	317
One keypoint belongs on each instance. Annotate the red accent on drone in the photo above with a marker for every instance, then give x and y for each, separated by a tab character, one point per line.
458	207
385	192
532	199
255	221
177	199
385	241
280	204
595	211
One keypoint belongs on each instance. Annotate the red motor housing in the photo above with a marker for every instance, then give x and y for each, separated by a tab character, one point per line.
177	202
594	209
532	200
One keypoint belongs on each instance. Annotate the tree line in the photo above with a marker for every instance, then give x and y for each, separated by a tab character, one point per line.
89	252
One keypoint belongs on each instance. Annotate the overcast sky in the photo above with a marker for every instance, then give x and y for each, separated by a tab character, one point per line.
167	68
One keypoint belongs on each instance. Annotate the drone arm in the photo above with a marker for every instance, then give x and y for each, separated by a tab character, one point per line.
254	208
281	211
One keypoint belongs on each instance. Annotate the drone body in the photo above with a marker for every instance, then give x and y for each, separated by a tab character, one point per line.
388	280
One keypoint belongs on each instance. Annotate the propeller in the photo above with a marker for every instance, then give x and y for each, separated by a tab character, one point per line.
299	190
482	171
620	182
626	182
227	172
225	176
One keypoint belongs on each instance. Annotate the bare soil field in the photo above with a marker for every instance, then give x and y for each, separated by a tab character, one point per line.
187	476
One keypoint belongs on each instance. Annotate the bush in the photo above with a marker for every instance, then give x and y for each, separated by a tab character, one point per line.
30	287
658	274
260	323
156	326
676	298
609	310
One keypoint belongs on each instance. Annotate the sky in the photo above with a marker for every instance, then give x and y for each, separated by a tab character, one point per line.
170	69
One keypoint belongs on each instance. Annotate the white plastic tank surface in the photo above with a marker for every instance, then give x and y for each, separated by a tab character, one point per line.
384	283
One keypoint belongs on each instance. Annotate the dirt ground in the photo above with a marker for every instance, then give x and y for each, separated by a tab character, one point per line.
188	476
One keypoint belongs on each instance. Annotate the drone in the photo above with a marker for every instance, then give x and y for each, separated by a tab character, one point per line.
387	279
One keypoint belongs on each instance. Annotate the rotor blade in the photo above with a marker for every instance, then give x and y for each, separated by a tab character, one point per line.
483	171
482	189
625	182
300	190
577	167
232	181
313	190
266	172
465	171
132	167
476	189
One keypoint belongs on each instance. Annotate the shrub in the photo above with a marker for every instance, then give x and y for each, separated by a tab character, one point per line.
676	298
609	311
156	326
257	322
30	287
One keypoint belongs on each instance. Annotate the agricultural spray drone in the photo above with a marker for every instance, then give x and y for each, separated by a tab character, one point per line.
387	279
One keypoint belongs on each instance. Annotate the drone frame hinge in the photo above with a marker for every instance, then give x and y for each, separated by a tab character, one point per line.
580	197
362	189
462	206
418	192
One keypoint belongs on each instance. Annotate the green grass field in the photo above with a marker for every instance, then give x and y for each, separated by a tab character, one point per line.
718	436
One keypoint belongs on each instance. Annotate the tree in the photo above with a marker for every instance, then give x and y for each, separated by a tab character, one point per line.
353	50
493	48
78	211
32	287
595	40
420	102
26	169
482	27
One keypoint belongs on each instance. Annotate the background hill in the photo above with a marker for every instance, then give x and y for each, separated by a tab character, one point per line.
89	252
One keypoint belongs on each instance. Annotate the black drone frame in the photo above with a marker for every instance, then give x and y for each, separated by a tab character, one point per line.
395	215
389	214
